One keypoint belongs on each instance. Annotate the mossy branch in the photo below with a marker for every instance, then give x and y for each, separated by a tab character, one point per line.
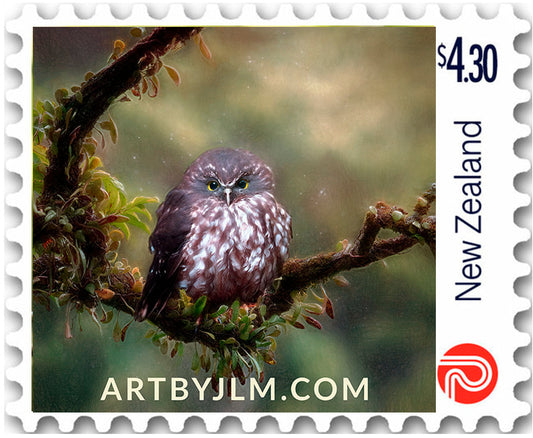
299	274
88	104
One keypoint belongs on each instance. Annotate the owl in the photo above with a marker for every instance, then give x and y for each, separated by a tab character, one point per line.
219	233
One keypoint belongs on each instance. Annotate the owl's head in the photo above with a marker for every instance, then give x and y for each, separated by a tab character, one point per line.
228	174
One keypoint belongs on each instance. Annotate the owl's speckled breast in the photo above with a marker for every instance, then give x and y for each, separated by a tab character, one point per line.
235	250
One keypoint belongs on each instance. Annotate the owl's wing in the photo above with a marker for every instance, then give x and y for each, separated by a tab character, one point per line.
166	243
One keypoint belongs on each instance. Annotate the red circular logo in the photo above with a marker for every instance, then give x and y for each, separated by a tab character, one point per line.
467	373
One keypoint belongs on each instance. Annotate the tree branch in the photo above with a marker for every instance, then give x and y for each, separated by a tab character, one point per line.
94	98
299	274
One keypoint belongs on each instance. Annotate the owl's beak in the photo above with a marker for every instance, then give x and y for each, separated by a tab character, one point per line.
227	192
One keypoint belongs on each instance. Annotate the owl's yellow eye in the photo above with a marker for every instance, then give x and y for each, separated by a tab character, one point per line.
212	186
242	184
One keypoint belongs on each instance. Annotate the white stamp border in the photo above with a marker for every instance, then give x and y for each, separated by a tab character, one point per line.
247	14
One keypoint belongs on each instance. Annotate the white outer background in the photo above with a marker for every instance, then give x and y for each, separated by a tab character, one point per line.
490	323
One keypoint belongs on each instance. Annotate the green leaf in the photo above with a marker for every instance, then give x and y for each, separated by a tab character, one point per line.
199	305
208	334
149	333
111	127
220	369
313	308
40	153
124	228
140	210
108	317
116	194
58	113
257	368
38	135
157	337
234	359
38	185
83	260
177	350
90	145
195	364
245	334
110	181
61	94
272	343
49	107
263	344
276	319
296	313
39	106
235	311
230	341
123	200
230	326
116	332
50	215
164	347
133	220
68	116
222	309
141	200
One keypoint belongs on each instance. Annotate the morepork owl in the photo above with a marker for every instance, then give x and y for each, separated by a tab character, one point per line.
220	233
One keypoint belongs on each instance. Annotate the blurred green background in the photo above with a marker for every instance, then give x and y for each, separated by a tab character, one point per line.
345	116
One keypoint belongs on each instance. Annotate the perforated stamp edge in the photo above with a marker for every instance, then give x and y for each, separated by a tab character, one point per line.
503	28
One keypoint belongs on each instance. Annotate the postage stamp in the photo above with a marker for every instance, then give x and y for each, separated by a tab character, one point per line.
237	216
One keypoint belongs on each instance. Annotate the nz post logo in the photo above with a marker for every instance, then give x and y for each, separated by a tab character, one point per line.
467	373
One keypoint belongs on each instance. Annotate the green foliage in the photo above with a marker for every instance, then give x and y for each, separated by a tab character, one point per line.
237	340
76	240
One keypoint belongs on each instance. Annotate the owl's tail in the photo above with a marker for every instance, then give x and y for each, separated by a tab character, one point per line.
159	287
